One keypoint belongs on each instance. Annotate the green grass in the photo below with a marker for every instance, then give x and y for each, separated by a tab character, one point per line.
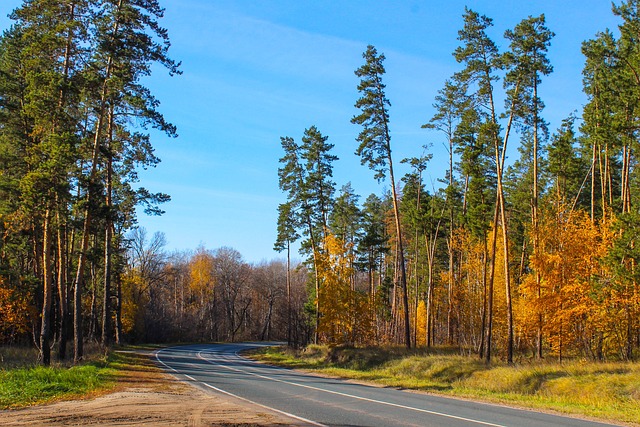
28	386
609	391
24	383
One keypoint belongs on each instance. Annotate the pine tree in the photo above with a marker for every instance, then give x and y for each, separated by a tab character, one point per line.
306	177
286	235
130	40
527	62
482	61
566	168
372	245
450	103
375	149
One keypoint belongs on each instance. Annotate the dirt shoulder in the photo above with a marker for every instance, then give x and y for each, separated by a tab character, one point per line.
147	396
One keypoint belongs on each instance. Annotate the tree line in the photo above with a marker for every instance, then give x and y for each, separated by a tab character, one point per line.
74	120
74	132
536	257
209	295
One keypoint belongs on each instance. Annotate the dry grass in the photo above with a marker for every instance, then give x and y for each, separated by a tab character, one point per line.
609	391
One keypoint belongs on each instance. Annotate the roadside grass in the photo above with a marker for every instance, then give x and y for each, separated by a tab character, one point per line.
609	391
24	383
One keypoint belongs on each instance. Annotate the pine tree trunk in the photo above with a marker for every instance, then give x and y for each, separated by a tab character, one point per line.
593	182
106	308
288	293
429	337
534	214
63	295
485	256
450	250
492	268
47	275
108	235
88	217
431	255
401	264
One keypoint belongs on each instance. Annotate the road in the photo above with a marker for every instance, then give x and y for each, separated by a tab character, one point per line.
319	401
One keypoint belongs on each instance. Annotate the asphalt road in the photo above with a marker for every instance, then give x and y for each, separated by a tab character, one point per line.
318	401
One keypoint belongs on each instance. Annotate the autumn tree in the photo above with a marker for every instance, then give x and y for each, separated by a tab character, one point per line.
566	295
232	278
347	318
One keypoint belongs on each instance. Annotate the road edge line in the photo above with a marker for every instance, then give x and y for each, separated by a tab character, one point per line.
295	417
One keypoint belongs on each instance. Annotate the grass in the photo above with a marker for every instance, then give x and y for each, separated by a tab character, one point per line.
27	386
24	383
608	391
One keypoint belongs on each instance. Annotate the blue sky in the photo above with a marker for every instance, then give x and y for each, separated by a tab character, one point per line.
254	71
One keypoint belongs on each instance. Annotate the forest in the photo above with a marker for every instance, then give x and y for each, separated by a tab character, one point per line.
532	258
536	258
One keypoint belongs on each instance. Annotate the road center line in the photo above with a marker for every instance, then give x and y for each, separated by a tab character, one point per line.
295	417
366	399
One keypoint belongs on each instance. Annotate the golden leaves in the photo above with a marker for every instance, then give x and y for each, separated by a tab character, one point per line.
16	312
345	312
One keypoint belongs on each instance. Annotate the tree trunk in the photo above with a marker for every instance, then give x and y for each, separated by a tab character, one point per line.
79	281
401	264
485	255
450	250
119	338
47	276
534	213
63	295
288	293
106	300
492	268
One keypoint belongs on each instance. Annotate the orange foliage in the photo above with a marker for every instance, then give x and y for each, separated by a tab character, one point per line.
469	292
16	313
421	327
568	299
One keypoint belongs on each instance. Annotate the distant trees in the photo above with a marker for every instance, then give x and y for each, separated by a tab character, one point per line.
210	295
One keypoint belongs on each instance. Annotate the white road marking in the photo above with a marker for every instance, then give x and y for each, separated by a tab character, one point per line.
381	402
304	420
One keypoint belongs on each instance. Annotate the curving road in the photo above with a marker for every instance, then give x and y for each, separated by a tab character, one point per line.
318	401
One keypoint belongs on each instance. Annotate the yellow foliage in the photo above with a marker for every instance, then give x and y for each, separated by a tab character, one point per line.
201	273
421	327
133	302
564	296
345	313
